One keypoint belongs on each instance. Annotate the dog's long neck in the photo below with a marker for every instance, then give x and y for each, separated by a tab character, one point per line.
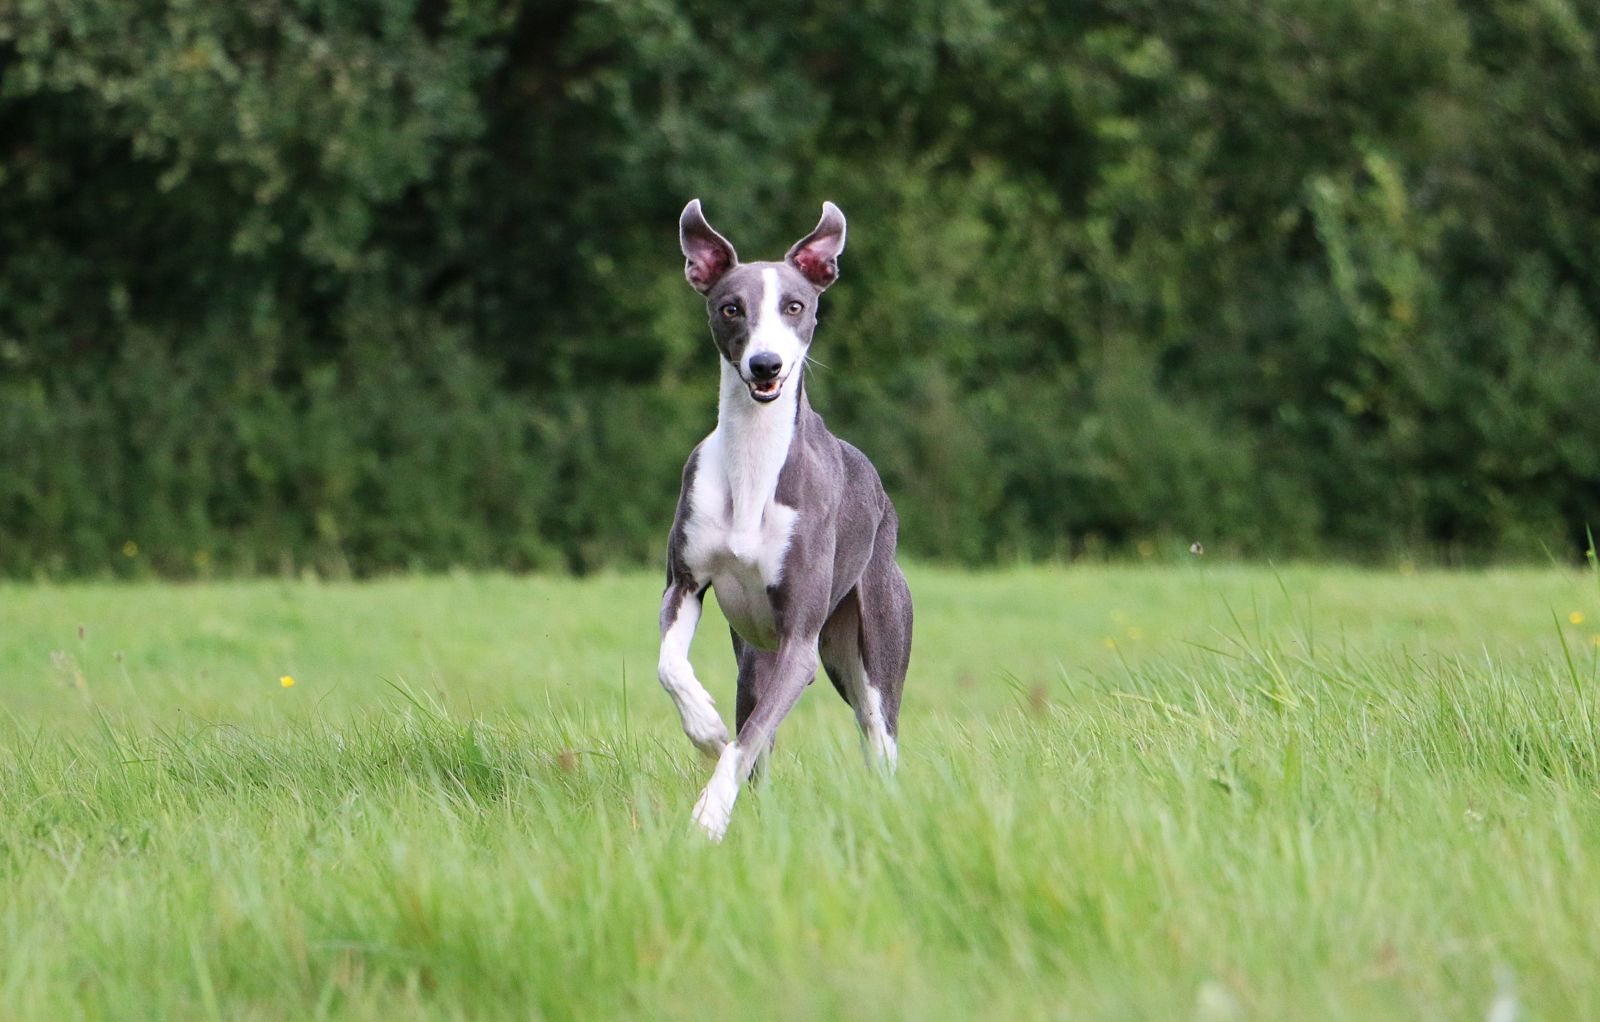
755	444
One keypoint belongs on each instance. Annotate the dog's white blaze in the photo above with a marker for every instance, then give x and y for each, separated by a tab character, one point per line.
772	331
738	534
698	711
715	806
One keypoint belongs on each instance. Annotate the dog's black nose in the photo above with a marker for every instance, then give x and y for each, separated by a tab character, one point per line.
765	365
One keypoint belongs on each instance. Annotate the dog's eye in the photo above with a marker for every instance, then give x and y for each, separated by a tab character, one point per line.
794	308
729	311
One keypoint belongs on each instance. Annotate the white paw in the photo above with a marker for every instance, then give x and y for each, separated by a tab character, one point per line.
696	709
711	815
704	726
714	808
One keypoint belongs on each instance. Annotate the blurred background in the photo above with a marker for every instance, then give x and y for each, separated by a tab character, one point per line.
354	286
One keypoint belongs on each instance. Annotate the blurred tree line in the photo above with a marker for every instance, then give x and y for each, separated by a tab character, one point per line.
371	284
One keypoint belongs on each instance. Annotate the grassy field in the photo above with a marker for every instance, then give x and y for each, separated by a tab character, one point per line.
1186	792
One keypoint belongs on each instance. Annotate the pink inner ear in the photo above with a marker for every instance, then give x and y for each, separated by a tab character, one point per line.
707	263
811	263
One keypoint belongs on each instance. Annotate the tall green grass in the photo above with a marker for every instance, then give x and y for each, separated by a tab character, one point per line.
1124	793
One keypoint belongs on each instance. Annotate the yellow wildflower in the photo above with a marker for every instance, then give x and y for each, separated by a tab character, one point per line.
287	681
130	549
1576	617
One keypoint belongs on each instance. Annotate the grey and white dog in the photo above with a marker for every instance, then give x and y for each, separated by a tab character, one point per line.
787	523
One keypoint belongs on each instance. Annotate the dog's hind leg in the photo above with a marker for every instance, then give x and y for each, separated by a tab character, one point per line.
866	648
886	645
844	654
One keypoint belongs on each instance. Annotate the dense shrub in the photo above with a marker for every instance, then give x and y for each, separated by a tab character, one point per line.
370	284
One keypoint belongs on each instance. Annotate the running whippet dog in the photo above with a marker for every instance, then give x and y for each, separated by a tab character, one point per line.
788	523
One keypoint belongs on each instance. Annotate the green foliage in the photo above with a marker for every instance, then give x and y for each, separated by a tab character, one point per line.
389	283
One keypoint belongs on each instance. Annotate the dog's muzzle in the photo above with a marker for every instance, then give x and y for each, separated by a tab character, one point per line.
765	380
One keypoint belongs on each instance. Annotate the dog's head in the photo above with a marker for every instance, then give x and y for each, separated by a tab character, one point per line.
762	314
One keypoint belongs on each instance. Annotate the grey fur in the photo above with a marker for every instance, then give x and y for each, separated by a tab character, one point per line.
840	595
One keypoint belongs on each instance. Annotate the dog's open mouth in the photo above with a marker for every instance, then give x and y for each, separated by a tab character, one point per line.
765	390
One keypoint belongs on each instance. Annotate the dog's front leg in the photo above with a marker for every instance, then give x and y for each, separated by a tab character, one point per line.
680	615
791	672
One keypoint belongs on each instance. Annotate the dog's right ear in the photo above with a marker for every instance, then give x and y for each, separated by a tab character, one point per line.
707	254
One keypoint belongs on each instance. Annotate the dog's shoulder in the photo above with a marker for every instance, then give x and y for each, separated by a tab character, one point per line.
691	471
831	465
691	467
860	473
677	567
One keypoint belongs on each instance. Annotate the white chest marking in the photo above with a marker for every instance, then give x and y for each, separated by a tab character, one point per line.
738	533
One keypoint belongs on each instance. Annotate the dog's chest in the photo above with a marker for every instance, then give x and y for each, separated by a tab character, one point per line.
738	533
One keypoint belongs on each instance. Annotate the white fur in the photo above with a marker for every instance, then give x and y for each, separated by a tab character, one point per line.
701	722
737	533
876	730
868	704
715	806
773	331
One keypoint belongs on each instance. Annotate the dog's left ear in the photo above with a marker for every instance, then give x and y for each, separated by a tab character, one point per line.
817	254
